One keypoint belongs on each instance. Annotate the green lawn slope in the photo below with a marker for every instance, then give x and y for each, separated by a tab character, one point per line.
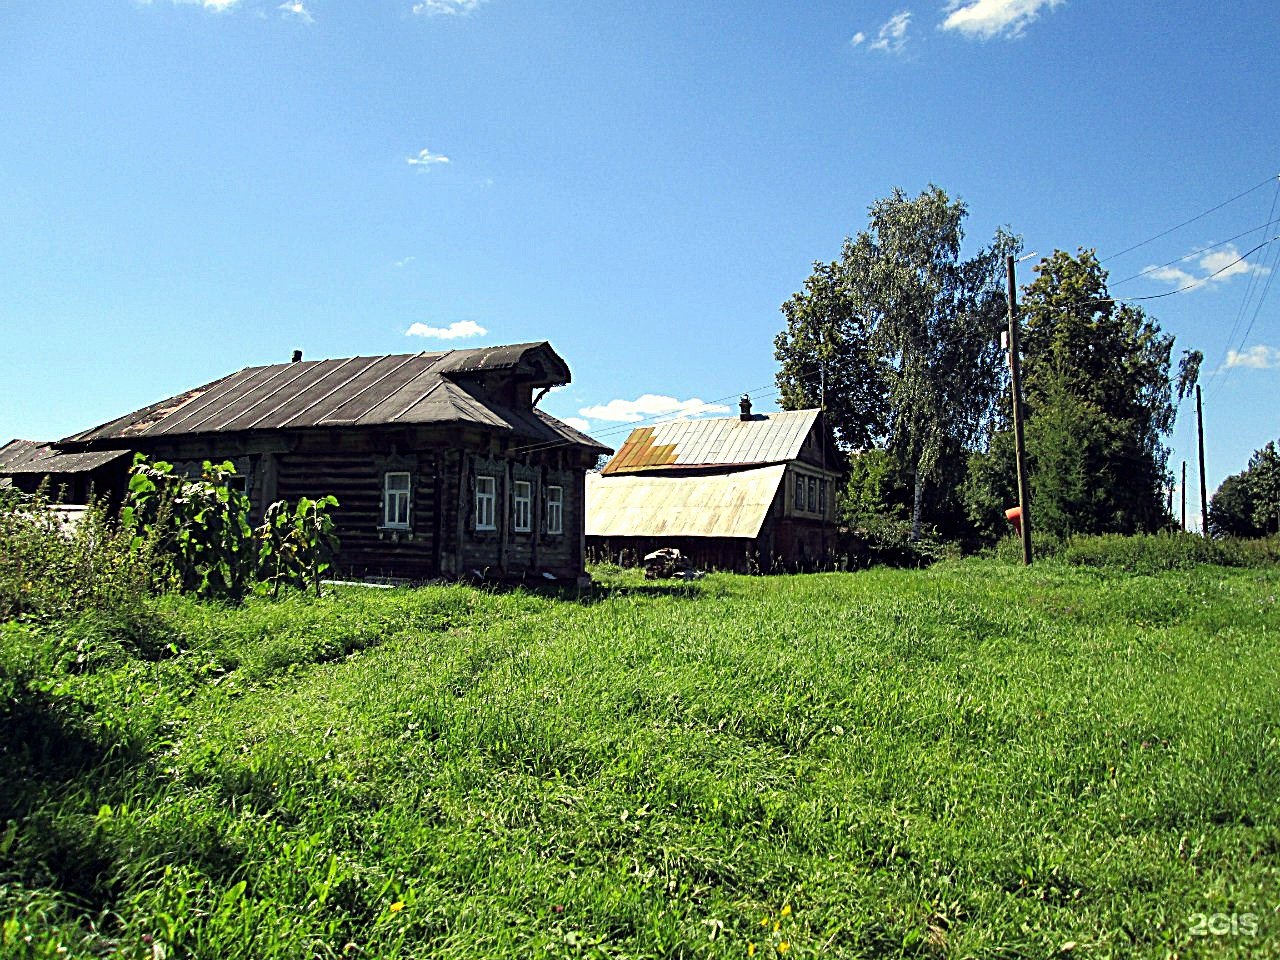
971	761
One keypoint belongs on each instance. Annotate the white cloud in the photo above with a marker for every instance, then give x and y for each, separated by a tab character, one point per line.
857	38
986	19
892	35
426	159
1227	260
651	405
1260	357
457	330
405	262
296	8
577	423
218	6
1173	275
449	8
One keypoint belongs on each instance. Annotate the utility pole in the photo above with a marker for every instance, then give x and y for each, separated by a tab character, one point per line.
1015	376
1204	495
1184	496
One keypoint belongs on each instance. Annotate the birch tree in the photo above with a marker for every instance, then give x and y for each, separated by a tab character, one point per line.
907	332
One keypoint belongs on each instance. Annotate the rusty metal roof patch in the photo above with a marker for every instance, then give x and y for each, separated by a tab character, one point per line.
725	441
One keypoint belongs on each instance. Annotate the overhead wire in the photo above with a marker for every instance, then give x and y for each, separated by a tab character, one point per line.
1219	375
632	424
1199	216
1270	222
1266	288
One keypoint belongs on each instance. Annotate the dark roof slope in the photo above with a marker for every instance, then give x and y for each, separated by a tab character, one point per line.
394	389
27	456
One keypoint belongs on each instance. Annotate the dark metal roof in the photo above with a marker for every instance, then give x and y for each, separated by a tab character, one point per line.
414	388
27	456
719	441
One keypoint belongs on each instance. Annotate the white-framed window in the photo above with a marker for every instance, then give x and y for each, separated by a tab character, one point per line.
395	500
800	503
522	506
822	497
555	509
486	501
813	494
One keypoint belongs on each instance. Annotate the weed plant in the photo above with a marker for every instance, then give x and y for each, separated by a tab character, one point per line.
54	569
975	760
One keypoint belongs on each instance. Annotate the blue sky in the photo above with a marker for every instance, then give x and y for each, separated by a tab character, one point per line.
194	187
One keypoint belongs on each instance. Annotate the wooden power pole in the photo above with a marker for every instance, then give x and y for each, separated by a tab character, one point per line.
1184	496
1015	376
1204	495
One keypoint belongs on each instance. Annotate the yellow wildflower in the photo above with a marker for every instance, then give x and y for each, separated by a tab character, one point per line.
751	949
786	910
397	906
783	947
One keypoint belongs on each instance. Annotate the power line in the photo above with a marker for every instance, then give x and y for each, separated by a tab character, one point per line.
757	391
1271	221
1184	223
1220	374
631	425
1194	283
1266	287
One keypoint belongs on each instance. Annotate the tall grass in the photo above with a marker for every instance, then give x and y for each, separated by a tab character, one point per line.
974	761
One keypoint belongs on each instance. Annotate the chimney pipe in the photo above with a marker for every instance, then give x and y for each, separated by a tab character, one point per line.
297	356
745	406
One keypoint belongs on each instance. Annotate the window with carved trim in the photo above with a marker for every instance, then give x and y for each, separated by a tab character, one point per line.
395	500
555	509
522	506
486	503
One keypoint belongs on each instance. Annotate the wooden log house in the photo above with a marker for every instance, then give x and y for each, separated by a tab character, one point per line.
441	462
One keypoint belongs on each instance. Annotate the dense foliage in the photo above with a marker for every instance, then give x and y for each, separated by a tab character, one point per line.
1098	405
898	339
975	760
1247	504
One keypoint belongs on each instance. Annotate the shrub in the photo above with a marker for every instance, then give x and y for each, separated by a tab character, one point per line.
1044	546
296	546
886	541
1152	553
201	526
56	568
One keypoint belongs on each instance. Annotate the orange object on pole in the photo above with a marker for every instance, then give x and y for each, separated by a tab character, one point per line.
1014	516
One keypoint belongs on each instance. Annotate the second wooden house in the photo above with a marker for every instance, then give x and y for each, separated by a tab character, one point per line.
752	492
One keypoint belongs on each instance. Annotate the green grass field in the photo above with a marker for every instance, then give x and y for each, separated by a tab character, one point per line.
971	761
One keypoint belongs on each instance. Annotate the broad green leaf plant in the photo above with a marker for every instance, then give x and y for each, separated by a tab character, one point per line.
200	526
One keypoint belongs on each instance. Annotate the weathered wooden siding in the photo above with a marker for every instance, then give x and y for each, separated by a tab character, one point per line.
505	551
357	481
443	464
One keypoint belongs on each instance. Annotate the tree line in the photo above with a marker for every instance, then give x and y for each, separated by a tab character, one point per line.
899	340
